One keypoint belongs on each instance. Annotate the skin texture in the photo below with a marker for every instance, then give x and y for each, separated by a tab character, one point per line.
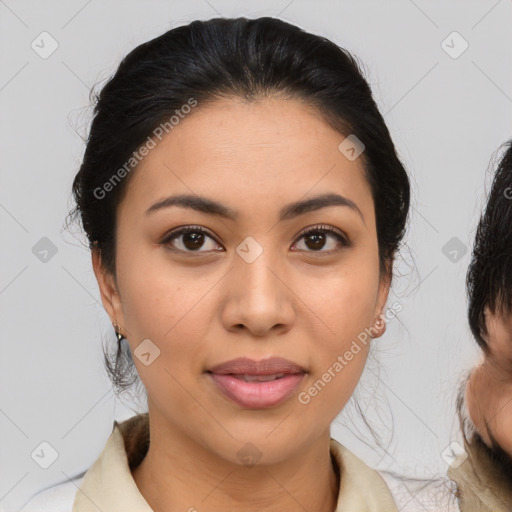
294	301
489	388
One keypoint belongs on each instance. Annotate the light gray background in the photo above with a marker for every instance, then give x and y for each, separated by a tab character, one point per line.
447	117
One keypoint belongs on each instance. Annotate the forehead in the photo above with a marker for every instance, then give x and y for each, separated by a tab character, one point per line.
255	154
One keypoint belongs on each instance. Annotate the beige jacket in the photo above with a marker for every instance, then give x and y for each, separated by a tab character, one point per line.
481	485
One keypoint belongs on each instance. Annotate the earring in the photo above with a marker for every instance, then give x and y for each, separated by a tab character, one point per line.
380	325
118	334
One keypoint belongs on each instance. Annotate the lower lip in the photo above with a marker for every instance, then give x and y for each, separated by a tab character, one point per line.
258	395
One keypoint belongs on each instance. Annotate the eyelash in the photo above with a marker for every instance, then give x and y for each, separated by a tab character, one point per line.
343	240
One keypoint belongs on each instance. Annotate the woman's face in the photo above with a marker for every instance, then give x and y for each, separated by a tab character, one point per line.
248	284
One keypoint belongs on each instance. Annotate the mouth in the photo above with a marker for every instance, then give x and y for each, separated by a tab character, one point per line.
258	378
257	384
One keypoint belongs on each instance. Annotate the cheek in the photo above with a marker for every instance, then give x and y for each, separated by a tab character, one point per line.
348	313
340	357
345	304
168	307
164	303
345	301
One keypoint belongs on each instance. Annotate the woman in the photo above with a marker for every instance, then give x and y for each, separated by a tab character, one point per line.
244	202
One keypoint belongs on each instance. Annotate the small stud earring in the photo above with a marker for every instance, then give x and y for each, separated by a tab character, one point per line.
118	334
380	324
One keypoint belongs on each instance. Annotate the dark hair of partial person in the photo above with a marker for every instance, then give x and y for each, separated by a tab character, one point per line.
247	59
489	275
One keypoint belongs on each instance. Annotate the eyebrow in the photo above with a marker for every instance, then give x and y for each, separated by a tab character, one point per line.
211	207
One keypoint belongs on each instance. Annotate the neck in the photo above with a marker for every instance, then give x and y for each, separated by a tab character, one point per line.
179	474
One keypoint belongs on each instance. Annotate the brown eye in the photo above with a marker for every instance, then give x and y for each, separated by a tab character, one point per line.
317	238
192	240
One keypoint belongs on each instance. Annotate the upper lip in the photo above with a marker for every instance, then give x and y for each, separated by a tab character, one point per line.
246	366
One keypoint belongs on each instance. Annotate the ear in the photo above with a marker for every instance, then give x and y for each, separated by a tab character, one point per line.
108	290
379	323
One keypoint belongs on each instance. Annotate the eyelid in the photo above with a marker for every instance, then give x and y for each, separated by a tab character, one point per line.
325	228
179	230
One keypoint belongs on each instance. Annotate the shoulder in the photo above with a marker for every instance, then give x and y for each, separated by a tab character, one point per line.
57	498
420	495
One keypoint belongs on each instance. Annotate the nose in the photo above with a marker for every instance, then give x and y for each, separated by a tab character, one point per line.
259	297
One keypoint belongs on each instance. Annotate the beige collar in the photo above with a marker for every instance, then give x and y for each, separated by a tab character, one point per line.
109	486
481	484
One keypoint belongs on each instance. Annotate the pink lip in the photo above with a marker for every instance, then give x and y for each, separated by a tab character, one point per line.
257	395
244	365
